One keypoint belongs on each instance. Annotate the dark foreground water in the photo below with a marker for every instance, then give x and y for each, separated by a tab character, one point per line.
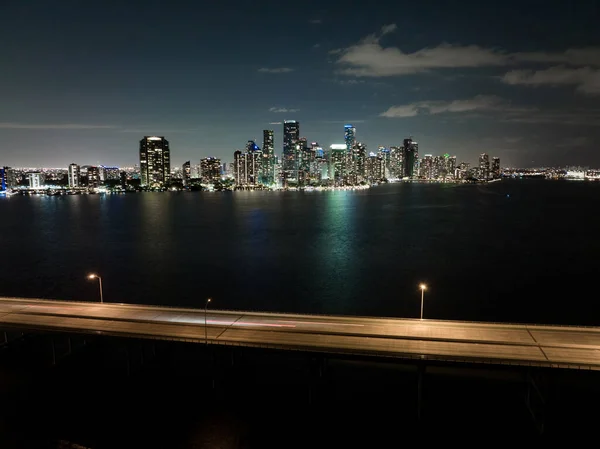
519	251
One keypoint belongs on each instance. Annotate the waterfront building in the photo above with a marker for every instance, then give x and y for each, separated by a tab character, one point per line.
155	161
74	176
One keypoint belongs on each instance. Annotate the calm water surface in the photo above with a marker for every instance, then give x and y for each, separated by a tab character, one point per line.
519	251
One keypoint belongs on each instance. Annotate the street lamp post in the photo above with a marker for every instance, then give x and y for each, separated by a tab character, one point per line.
95	276
205	329
423	287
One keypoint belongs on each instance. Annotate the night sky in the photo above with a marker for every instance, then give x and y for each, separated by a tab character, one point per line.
84	81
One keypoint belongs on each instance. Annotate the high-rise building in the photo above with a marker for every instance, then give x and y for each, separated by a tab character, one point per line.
239	168
109	173
495	167
291	135
186	173
93	177
427	167
452	167
123	179
268	152
410	157
254	159
397	162
337	163
10	177
3	182
349	137
74	176
210	170
484	166
155	161
36	180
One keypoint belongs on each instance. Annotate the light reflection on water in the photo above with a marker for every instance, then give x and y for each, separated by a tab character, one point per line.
504	251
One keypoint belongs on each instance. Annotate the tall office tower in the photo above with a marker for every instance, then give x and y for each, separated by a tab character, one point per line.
9	177
123	177
484	165
93	176
74	175
186	173
318	165
109	173
496	167
303	158
210	170
452	167
427	167
410	158
3	182
349	137
155	161
396	162
291	135
36	180
254	159
268	152
239	168
357	170
337	163
463	170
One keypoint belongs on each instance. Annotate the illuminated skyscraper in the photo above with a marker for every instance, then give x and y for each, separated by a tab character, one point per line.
74	175
291	135
410	157
495	167
268	153
239	168
254	159
484	166
2	179
186	173
155	161
93	177
349	137
210	170
337	163
36	180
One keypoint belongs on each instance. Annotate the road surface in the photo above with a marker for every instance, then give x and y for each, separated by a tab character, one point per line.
513	344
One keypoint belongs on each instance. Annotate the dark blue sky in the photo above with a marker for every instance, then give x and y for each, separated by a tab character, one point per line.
84	81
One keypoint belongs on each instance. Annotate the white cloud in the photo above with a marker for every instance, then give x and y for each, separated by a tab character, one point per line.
480	103
275	70
586	79
501	111
282	110
589	56
74	126
368	58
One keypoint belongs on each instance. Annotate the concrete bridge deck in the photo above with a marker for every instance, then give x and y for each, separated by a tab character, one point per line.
475	342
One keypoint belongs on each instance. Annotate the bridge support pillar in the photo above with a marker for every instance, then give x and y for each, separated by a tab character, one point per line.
534	399
53	350
420	381
127	361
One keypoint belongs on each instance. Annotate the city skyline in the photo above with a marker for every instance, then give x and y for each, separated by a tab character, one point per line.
74	92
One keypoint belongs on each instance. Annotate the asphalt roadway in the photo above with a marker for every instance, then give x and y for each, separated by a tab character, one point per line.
457	341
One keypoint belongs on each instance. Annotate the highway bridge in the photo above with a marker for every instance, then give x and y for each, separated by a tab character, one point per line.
528	345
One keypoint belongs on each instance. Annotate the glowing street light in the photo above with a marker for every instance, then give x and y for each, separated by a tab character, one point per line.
205	328
95	276
423	287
